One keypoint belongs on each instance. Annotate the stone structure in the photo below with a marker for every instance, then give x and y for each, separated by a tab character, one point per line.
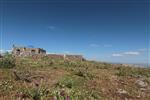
38	53
74	57
24	51
66	56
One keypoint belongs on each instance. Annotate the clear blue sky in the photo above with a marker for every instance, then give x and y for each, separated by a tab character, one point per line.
104	30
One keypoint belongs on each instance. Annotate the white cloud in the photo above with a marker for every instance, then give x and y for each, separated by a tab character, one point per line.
102	45
94	45
2	51
48	53
131	53
9	50
67	52
117	55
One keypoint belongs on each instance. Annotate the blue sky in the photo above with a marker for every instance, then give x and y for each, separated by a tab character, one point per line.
103	30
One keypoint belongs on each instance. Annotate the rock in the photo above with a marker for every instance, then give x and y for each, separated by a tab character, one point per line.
21	77
141	83
143	89
121	91
138	96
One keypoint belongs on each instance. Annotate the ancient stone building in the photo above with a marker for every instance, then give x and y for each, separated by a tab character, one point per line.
24	51
38	52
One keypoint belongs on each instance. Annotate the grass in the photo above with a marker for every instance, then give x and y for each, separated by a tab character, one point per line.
134	72
58	79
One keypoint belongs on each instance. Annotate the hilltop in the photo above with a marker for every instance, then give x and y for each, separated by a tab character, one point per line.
44	78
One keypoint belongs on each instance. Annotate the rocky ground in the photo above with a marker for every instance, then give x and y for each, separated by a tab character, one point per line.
58	79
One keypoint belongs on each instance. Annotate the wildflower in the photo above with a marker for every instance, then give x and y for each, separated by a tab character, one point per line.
67	98
54	98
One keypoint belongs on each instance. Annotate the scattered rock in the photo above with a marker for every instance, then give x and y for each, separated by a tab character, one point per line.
141	83
121	91
143	89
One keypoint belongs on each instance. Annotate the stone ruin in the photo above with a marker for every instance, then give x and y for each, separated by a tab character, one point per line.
66	57
39	52
24	51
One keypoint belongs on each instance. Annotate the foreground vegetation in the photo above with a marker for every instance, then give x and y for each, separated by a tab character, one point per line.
57	79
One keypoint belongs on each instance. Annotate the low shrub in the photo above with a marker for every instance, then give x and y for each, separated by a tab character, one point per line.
6	86
134	72
35	93
66	82
74	94
83	72
8	61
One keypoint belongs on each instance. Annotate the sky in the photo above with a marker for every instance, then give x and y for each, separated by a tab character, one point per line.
104	30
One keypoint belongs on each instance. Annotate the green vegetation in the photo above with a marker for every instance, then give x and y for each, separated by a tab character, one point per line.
8	61
43	78
132	71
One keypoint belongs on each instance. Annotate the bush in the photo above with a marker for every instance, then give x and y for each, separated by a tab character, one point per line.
8	61
84	73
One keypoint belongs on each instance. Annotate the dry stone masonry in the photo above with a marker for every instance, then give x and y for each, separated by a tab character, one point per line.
24	51
39	52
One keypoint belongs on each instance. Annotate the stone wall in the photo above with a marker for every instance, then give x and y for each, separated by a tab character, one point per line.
55	56
38	53
66	57
23	51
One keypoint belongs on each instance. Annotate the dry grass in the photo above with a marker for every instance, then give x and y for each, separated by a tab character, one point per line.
77	80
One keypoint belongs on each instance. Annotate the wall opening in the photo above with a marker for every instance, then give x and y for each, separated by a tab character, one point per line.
18	52
32	52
